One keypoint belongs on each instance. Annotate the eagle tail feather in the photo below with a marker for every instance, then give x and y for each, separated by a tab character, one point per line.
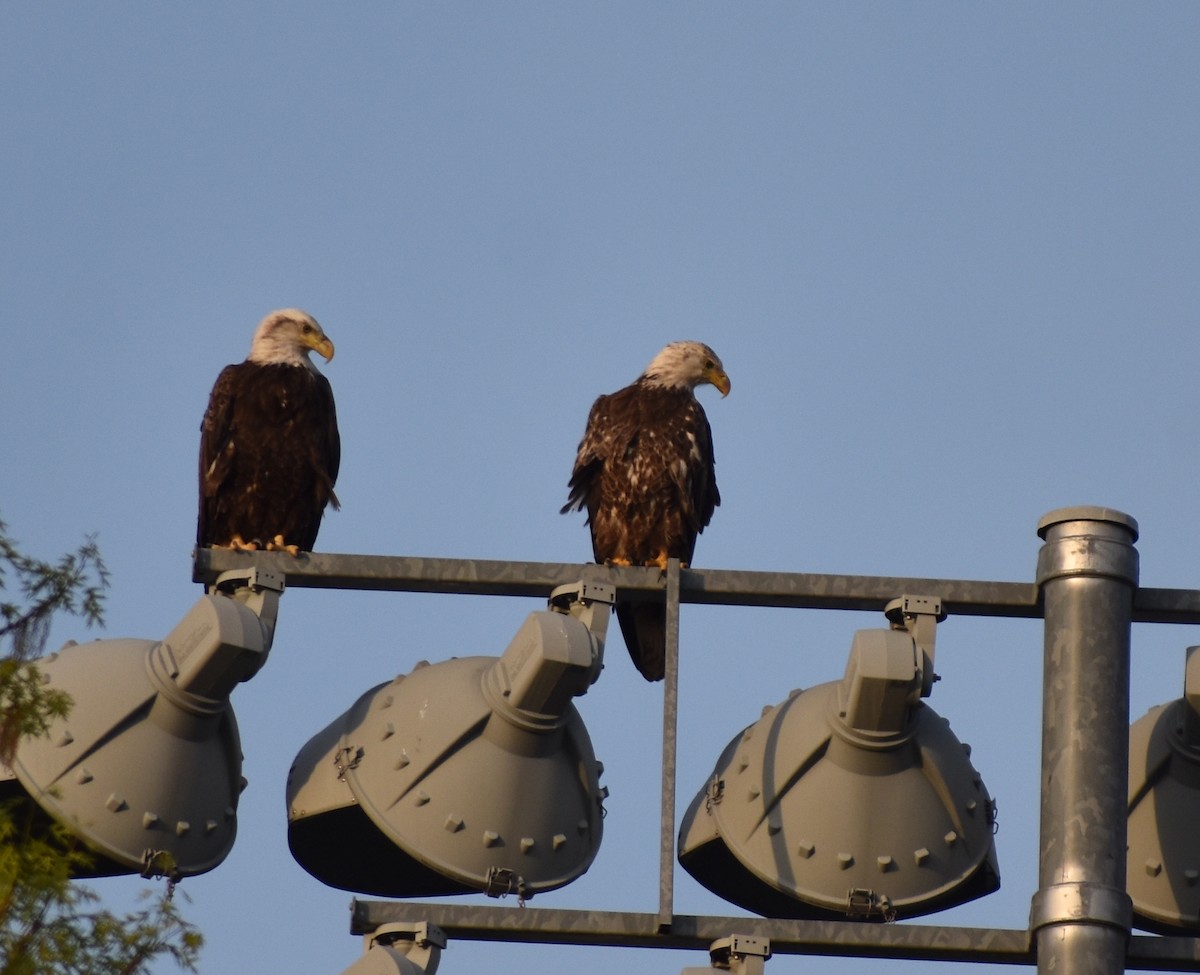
644	627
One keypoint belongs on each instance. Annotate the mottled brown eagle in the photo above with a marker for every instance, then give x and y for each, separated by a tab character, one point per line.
269	444
644	471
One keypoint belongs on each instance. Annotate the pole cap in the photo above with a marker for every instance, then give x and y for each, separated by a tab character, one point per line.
1087	512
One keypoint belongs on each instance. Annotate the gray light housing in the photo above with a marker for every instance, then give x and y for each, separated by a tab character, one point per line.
852	799
474	774
146	767
401	949
1163	862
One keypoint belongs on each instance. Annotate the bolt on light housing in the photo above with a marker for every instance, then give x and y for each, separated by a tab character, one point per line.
401	949
474	774
145	769
1163	860
850	799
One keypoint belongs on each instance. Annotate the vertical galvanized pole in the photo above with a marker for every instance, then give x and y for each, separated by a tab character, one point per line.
1088	571
666	872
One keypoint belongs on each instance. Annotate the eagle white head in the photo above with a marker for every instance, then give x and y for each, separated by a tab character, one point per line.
287	336
685	365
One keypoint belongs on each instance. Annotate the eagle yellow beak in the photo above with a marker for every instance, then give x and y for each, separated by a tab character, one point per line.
321	344
718	378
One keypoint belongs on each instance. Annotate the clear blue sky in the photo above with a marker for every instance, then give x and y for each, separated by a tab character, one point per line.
947	251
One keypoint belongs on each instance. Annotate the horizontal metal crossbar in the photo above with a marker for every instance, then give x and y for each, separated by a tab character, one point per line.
713	587
800	590
626	929
913	942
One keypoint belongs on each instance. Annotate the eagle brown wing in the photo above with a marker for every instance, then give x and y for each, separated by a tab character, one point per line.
325	451
216	453
584	485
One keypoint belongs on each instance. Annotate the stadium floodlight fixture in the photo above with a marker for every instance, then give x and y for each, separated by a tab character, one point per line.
852	799
401	949
475	774
739	953
1163	860
145	768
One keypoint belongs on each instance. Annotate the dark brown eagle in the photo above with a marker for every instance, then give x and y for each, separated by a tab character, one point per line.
269	444
644	471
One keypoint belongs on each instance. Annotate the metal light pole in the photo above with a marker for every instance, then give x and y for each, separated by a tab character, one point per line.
1088	572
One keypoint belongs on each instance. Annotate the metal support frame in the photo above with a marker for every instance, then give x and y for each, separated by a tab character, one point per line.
726	587
1086	591
666	869
1088	570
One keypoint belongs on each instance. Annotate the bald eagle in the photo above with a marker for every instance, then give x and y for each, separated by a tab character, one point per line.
644	471
269	444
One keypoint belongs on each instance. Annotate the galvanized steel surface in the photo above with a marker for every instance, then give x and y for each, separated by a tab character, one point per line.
816	591
912	942
1088	569
799	590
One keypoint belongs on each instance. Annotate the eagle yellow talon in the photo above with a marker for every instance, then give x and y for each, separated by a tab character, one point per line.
278	544
621	562
660	562
239	545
